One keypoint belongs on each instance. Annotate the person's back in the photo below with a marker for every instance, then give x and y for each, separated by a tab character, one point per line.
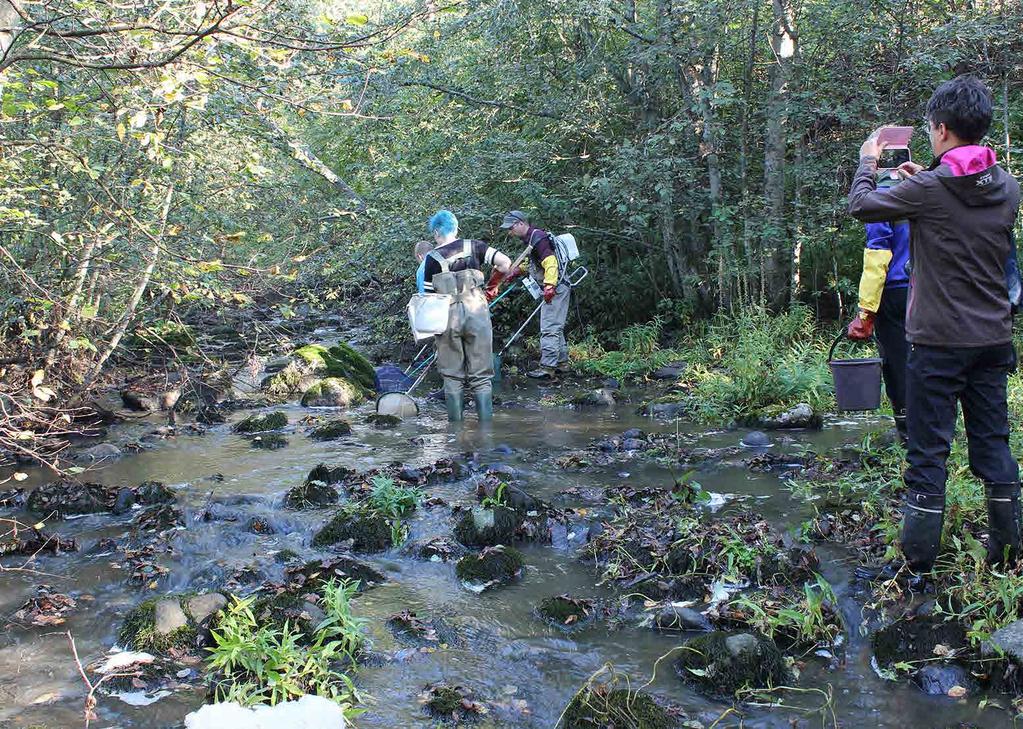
961	211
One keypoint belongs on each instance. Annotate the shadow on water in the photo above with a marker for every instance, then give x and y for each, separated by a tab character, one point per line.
525	668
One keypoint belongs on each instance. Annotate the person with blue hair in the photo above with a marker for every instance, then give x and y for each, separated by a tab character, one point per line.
465	352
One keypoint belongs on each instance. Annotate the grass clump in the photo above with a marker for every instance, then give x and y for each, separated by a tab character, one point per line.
394	502
257	663
261	423
639	352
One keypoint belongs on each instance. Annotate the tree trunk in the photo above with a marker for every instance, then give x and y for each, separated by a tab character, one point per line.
136	296
745	290
9	21
784	46
707	80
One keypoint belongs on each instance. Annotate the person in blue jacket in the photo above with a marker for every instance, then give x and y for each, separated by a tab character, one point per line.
883	292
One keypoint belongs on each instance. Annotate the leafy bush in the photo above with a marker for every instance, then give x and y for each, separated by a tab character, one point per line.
758	363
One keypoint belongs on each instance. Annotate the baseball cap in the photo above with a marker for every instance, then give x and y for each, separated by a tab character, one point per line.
515	216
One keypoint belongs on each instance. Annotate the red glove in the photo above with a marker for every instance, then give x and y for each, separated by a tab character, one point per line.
493	285
548	293
513	274
862	327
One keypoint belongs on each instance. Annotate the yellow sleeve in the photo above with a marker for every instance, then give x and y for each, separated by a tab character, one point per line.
550	270
875	272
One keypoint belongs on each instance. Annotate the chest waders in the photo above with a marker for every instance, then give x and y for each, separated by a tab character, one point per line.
465	351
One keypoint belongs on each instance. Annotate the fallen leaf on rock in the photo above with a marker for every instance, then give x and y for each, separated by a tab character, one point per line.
957	692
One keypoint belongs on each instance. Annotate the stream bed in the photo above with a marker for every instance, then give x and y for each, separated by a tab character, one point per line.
524	669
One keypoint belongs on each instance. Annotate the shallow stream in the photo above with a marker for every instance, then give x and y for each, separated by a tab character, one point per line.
524	669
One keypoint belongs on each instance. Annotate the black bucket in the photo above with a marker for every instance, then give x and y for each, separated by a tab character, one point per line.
857	381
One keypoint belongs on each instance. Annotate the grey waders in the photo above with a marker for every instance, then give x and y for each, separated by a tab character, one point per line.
465	352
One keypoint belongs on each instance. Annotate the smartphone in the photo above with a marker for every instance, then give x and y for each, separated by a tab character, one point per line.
892	157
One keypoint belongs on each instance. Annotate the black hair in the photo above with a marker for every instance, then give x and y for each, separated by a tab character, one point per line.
963	105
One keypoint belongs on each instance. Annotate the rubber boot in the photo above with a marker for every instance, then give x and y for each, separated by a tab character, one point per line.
921	530
1003	522
900	428
484	405
453	400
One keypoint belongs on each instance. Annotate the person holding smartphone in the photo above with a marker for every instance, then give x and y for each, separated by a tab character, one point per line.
961	210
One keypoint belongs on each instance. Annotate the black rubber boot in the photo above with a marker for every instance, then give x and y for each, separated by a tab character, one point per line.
484	405
921	530
453	400
900	428
1003	522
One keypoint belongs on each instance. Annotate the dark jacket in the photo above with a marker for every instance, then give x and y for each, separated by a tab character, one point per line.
960	240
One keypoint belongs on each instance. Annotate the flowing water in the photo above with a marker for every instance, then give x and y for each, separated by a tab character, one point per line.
521	666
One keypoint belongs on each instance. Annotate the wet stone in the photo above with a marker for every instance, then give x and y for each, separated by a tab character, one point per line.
260	525
450	703
565	611
125	500
602	398
168	617
634	433
671	617
756	439
938	680
1009	639
802	416
202	607
634	444
101	452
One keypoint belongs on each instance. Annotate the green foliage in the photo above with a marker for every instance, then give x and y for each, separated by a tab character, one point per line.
267	664
805	620
392	500
757	364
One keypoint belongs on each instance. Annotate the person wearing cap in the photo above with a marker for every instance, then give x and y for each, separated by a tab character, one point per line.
883	293
546	269
465	352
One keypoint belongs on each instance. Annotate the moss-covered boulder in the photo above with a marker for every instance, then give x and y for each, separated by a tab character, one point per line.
310	495
718	664
564	611
333	392
331	474
314	362
291	607
368	530
269	441
331	430
483	527
383	422
313	575
492	566
913	641
601	705
67	498
173	621
261	423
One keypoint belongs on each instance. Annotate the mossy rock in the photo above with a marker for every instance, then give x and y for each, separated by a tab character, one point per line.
331	474
261	423
313	575
492	566
482	527
333	392
331	430
368	530
140	631
340	360
297	376
269	442
718	664
383	422
564	611
286	555
451	703
310	495
602	706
